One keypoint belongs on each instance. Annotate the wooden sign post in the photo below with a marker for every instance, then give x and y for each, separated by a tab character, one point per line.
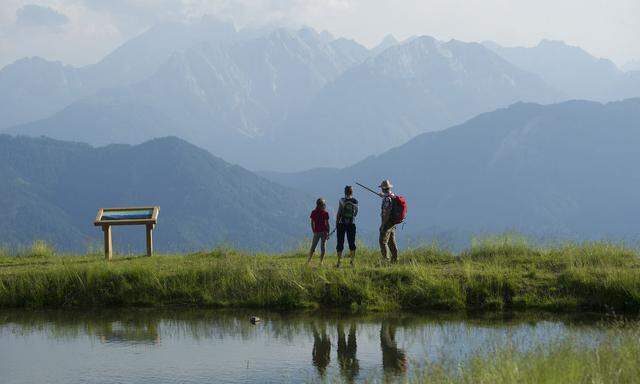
147	216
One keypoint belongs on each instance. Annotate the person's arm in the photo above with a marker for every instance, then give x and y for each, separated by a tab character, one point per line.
327	224
313	226
339	214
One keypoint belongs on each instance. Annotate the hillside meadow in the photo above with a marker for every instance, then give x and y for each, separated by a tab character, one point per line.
493	274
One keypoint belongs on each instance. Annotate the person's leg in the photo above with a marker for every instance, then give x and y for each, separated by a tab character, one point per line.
351	237
340	230
314	244
393	246
323	245
383	240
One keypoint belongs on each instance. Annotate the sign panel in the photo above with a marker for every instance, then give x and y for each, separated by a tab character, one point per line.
127	216
107	217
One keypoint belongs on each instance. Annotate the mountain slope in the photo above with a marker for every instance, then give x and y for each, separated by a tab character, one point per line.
565	170
422	85
53	189
633	65
572	70
387	42
34	88
221	97
142	56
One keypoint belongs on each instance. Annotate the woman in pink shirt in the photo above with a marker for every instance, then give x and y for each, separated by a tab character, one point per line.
320	227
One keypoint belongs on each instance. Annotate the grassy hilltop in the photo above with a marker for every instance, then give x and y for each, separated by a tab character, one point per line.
493	274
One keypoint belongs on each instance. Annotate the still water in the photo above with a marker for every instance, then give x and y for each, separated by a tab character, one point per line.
204	346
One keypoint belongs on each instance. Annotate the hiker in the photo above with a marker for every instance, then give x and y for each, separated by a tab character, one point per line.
320	227
387	225
345	224
394	211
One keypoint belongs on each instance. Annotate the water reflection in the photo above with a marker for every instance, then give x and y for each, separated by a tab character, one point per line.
394	359
198	346
347	352
131	332
321	353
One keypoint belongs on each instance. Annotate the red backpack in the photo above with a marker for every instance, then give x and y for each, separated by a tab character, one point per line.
398	209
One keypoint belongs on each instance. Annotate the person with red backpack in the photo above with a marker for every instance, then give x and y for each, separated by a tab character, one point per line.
392	213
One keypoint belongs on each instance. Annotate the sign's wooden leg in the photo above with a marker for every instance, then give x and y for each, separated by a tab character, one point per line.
149	239
108	249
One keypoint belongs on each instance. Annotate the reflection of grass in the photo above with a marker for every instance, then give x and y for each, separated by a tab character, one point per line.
502	273
614	360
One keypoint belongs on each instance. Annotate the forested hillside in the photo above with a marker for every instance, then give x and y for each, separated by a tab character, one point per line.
51	190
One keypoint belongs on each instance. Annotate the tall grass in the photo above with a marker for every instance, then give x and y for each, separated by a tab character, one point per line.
502	274
614	360
40	249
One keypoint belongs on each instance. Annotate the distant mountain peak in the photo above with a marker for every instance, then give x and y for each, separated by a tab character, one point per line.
633	65
30	62
552	43
389	39
386	42
308	33
423	39
326	36
413	53
566	49
492	45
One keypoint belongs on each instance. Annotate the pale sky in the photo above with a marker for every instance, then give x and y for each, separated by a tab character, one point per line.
80	32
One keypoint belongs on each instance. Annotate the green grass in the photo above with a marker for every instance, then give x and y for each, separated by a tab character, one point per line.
496	274
614	360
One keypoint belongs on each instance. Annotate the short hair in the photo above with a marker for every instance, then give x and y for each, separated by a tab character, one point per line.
348	190
320	203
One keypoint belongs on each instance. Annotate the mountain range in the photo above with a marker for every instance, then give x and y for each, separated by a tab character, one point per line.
224	97
51	191
418	86
552	172
573	71
281	99
34	88
561	171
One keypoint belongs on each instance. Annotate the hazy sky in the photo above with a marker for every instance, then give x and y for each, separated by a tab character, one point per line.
82	31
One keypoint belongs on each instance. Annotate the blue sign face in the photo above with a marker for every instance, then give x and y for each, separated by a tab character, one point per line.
114	215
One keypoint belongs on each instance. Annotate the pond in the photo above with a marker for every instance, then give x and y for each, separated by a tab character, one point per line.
203	346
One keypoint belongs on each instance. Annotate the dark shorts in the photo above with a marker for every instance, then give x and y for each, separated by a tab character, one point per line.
350	231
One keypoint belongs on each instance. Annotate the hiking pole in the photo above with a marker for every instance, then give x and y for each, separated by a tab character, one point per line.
368	189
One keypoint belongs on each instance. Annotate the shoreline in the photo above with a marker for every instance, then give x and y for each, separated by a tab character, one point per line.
503	276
